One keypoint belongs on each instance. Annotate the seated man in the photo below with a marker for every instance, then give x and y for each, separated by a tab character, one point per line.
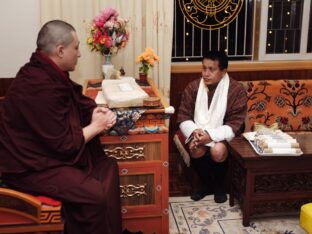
212	111
49	142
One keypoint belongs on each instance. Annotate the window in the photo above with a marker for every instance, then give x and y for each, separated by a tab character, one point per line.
285	32
266	29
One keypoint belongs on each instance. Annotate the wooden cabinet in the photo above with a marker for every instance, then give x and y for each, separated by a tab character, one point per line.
143	169
142	157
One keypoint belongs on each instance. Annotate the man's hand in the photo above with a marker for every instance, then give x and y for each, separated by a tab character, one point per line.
197	149
202	137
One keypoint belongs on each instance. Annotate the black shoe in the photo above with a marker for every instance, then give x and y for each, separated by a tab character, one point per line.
199	195
220	197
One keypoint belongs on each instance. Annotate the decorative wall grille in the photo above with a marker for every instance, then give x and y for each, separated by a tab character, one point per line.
190	41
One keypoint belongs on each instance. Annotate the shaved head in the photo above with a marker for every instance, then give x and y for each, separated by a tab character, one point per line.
54	33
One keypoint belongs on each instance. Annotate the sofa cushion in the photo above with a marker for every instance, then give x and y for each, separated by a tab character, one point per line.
286	102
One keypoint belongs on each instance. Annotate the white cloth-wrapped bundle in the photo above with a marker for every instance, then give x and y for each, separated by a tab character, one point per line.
282	151
270	144
123	93
276	142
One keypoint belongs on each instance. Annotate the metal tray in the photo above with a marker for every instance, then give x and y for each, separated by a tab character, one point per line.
252	143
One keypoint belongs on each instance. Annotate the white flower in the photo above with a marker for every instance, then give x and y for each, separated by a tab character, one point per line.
113	49
109	24
119	39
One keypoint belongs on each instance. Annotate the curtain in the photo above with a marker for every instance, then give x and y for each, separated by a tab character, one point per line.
150	25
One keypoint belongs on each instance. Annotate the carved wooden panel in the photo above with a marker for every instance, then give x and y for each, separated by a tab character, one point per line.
137	189
51	215
281	206
134	151
238	180
283	182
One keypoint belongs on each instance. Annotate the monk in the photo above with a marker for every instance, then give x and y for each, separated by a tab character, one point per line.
49	142
212	111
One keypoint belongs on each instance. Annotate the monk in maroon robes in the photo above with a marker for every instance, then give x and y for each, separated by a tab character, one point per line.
212	112
49	142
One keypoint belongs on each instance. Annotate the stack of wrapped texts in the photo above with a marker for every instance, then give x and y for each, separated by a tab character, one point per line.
276	142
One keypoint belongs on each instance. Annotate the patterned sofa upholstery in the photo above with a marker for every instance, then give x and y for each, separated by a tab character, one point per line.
287	103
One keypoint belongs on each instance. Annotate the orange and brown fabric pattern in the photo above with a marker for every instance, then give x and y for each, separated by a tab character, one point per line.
286	102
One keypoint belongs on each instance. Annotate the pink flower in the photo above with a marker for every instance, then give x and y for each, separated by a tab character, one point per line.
96	35
108	42
108	13
99	22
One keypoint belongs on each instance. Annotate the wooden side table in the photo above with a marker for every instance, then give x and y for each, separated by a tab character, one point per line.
270	183
143	166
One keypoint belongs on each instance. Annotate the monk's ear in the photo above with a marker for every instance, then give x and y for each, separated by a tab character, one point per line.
59	50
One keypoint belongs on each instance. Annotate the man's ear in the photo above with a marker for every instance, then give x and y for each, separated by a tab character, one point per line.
60	51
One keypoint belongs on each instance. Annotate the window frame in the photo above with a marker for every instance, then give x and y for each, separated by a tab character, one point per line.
303	54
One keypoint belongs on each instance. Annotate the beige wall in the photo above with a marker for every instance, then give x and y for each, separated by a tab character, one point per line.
19	25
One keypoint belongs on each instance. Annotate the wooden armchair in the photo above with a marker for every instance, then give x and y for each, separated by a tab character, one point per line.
23	213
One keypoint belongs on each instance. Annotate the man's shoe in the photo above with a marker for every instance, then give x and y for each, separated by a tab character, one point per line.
220	197
199	195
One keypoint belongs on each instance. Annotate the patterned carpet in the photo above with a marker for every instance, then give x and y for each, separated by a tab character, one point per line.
208	217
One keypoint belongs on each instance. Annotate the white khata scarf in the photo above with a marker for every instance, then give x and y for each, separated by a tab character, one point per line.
212	118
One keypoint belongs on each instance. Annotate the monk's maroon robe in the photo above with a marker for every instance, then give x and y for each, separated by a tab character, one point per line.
42	148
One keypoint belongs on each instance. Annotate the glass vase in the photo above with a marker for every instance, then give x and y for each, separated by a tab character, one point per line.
107	67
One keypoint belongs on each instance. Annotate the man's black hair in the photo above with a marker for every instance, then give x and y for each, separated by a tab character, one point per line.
218	56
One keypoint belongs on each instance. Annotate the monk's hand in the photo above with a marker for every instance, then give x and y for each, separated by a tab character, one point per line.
103	118
110	119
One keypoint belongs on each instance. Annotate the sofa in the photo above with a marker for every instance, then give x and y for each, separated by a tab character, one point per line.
283	103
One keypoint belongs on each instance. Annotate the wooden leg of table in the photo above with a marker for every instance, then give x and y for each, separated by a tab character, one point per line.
231	200
245	218
247	199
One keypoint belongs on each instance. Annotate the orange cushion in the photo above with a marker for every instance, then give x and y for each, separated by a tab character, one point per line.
286	102
48	201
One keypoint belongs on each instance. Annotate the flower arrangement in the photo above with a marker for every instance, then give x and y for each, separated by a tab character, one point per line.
108	33
147	60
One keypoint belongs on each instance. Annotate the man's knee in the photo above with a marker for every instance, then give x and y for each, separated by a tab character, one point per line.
219	152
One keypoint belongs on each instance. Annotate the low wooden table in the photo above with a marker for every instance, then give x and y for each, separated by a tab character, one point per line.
270	183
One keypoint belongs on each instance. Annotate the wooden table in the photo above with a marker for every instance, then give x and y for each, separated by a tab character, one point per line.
270	183
143	166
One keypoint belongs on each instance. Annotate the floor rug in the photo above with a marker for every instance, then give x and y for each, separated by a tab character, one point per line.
207	217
